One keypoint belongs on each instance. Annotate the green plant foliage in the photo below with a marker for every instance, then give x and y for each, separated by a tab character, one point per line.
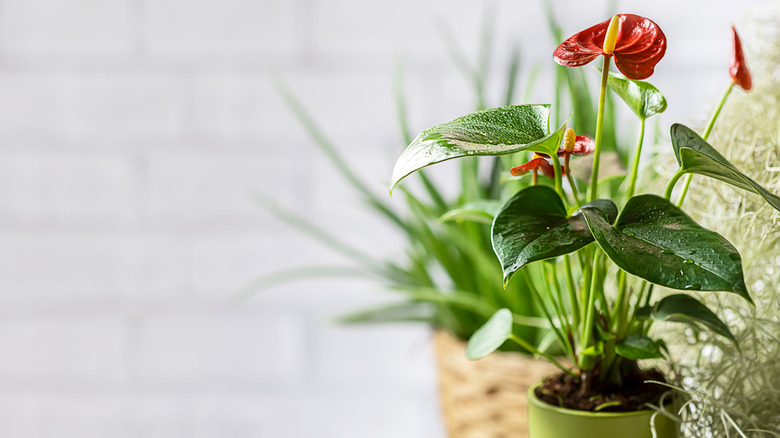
655	240
642	97
636	346
534	225
685	308
482	211
495	131
490	336
695	155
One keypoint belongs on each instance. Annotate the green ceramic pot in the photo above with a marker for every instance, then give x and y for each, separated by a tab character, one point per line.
548	421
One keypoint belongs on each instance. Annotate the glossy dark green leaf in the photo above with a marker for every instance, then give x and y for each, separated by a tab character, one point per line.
533	226
495	131
697	156
642	97
636	346
483	211
657	241
491	335
684	308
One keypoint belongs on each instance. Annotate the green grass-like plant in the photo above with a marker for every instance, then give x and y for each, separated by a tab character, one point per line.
448	278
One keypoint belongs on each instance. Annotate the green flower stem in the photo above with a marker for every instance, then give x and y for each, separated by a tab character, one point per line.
567	171
558	304
635	164
594	177
588	362
532	349
706	134
672	182
620	315
575	307
559	179
558	329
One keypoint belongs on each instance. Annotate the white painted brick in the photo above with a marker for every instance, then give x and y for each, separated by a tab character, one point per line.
373	414
191	190
392	356
93	105
52	271
226	351
74	352
56	28
207	28
214	268
243	106
43	415
138	104
32	97
58	190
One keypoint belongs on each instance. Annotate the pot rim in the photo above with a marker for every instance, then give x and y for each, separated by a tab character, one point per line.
532	398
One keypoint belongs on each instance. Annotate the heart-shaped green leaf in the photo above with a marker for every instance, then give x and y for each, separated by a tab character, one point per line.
483	211
491	335
697	156
495	131
642	97
533	225
657	241
636	346
685	308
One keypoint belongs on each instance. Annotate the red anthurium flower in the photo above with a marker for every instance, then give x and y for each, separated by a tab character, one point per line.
581	145
537	164
638	46
738	68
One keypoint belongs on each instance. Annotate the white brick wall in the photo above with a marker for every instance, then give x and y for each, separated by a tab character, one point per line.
133	134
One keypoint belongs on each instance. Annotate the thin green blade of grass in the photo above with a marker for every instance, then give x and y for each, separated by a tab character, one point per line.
304	225
511	80
467	301
459	59
396	312
400	105
485	52
300	273
331	153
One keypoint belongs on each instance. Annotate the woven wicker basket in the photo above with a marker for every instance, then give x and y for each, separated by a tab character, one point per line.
485	398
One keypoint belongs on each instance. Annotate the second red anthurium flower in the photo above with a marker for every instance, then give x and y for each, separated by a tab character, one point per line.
637	47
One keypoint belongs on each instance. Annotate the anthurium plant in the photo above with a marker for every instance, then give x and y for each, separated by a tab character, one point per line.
603	256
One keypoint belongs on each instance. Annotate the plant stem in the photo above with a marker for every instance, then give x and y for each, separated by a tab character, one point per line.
704	137
567	171
559	179
635	164
587	362
672	182
594	177
619	316
534	177
575	308
532	349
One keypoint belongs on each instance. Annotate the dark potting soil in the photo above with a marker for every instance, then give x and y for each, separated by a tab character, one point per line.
565	391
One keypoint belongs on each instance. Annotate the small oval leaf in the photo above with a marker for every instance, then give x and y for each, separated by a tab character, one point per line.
533	225
684	308
491	335
642	97
655	240
495	131
697	156
636	346
482	211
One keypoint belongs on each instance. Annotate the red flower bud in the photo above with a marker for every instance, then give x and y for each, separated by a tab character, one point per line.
738	67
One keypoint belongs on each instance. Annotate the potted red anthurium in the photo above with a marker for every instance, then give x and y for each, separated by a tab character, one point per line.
604	256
